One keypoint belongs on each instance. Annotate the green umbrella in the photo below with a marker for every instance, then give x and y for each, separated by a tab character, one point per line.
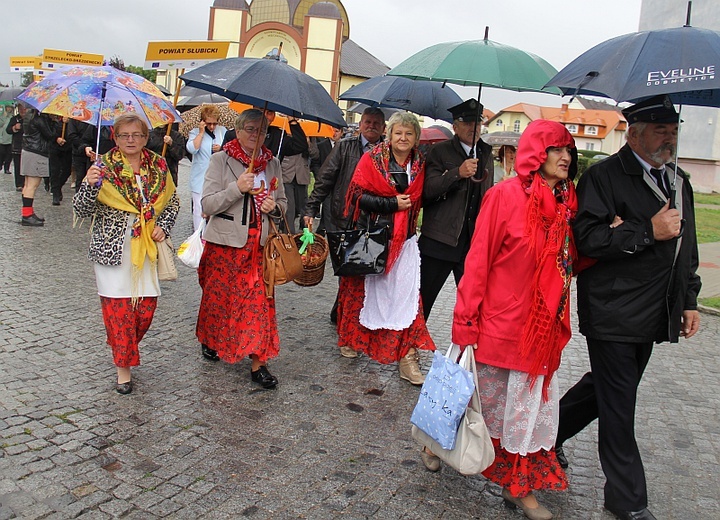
479	62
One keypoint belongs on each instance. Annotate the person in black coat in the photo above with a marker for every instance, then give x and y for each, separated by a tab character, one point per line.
37	136
80	161
319	152
174	151
457	175
59	158
15	128
641	289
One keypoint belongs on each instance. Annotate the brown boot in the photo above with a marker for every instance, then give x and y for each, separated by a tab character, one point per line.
409	368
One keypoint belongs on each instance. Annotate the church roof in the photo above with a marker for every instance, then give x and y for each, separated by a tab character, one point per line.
356	61
231	4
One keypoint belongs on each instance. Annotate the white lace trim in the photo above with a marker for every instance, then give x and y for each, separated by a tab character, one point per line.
515	413
392	299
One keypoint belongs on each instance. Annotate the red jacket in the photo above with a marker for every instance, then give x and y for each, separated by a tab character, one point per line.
498	258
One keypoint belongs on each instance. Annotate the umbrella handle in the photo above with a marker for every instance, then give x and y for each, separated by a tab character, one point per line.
481	179
258	190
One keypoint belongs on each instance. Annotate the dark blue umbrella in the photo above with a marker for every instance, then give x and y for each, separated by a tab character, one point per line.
427	98
267	83
681	62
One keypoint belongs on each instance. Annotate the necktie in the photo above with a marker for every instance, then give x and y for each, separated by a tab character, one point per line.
659	176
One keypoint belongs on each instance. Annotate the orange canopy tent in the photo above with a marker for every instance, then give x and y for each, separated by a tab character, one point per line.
311	128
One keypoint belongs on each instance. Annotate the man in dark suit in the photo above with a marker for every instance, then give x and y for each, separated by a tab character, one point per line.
641	289
458	172
319	152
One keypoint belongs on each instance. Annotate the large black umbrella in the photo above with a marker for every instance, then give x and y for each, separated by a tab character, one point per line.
192	97
427	98
680	62
267	83
8	94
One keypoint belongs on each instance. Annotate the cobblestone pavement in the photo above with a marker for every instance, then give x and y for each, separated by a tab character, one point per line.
197	439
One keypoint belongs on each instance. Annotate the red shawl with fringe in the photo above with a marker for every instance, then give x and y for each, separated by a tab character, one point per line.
371	176
547	330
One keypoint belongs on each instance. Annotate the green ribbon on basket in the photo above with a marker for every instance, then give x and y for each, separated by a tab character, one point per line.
307	238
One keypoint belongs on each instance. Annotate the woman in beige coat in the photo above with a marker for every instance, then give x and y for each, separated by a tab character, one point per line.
236	319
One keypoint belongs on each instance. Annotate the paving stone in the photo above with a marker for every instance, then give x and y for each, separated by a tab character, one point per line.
197	439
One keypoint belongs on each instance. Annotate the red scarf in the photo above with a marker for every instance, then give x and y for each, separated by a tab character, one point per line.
371	176
234	150
547	330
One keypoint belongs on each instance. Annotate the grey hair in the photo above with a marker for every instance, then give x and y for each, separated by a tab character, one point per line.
639	126
251	114
129	118
403	119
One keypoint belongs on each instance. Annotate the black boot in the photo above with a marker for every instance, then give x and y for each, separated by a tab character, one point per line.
56	199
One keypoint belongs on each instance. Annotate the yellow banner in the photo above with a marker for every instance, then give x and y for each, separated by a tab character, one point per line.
181	55
22	63
53	58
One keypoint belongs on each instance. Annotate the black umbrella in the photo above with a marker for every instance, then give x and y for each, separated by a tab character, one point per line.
267	83
427	98
680	62
193	97
8	94
501	138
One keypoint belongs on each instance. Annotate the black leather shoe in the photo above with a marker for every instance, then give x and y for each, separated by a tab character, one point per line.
643	514
263	377
124	388
209	353
56	199
561	458
32	220
41	219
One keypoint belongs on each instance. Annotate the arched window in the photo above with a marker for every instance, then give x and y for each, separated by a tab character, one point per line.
498	122
516	126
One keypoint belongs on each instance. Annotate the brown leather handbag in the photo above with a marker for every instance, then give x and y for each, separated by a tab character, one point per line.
281	259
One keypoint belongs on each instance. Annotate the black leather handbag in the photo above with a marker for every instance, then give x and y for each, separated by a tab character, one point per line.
361	251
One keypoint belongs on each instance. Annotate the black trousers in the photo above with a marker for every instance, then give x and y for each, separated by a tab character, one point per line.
433	274
80	165
5	156
59	165
19	179
609	393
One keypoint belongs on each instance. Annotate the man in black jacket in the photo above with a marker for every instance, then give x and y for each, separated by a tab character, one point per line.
59	158
458	172
641	289
320	149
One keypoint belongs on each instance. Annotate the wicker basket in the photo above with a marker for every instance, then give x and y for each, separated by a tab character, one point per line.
314	269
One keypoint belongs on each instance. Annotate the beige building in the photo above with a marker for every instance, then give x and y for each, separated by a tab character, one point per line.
599	127
315	38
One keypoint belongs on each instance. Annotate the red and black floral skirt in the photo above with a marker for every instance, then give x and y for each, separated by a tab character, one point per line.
383	345
236	318
523	474
126	325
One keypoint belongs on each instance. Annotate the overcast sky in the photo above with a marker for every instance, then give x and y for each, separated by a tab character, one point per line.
392	30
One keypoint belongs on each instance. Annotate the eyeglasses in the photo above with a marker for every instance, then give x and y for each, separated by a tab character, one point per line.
136	136
211	124
251	129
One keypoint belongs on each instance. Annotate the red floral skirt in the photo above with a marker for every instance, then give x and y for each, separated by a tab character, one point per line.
521	475
236	318
126	326
383	345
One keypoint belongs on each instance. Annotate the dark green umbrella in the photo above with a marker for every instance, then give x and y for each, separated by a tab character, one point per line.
479	62
482	63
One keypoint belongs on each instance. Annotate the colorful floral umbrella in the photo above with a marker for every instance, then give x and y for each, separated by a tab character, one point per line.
99	94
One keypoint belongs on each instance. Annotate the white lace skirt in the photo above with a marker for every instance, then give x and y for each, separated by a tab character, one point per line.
515	413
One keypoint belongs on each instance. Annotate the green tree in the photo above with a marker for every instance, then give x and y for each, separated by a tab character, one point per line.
26	78
150	75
